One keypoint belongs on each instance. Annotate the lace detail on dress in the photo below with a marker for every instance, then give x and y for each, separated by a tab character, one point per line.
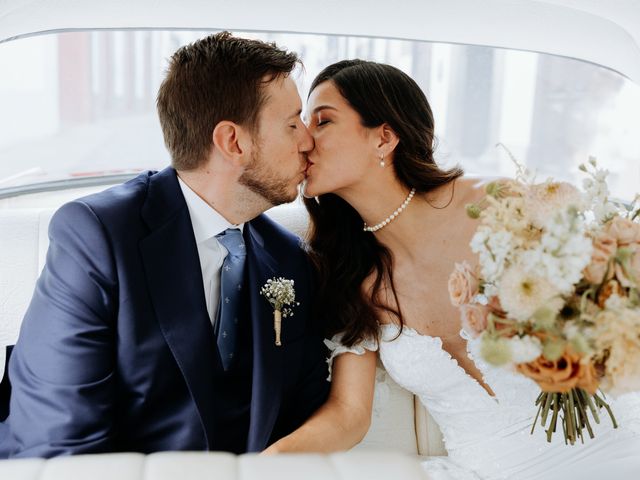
336	347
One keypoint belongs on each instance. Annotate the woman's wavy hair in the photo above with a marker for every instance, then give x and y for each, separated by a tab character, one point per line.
344	254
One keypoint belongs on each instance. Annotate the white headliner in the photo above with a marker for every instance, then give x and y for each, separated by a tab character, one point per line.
598	31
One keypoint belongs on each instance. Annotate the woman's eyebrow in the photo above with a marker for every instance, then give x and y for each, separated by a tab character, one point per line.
322	107
318	109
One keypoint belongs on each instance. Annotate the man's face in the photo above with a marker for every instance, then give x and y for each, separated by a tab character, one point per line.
281	142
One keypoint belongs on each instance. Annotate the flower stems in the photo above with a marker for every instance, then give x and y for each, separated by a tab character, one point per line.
554	418
573	407
601	403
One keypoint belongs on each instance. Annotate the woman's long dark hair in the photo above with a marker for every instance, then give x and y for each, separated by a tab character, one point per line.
342	252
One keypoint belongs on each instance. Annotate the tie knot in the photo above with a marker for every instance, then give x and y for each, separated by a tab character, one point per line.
232	240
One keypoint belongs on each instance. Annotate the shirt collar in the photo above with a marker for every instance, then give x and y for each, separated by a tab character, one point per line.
205	220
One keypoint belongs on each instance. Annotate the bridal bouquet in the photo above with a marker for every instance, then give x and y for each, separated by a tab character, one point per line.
556	293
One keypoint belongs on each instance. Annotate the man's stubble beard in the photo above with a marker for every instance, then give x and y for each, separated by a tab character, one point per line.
264	183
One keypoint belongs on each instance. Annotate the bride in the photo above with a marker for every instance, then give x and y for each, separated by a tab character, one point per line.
387	226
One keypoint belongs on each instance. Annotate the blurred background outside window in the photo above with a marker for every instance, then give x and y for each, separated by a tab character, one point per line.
79	104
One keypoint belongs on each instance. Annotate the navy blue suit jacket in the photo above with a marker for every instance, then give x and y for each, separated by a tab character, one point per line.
116	350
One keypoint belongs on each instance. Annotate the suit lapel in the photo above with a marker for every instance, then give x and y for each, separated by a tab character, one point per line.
267	358
172	268
173	272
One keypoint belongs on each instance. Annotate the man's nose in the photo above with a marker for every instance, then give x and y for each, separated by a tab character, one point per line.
306	143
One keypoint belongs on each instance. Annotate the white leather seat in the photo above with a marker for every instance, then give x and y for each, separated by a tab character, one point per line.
400	423
221	466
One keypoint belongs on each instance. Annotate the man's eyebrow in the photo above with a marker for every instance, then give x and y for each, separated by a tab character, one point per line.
297	114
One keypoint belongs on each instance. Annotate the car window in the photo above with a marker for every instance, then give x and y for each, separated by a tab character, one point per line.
81	105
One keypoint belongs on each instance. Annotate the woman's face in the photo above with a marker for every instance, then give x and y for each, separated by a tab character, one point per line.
344	149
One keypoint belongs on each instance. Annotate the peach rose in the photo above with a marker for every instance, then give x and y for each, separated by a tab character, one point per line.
474	318
632	275
624	230
568	372
463	284
604	247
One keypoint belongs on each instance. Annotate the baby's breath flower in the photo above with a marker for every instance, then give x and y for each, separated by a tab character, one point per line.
562	252
597	191
493	249
280	292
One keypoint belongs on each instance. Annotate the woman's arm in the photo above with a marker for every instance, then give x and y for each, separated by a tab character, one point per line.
344	419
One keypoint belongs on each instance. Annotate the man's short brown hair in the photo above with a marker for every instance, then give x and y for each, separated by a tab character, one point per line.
219	77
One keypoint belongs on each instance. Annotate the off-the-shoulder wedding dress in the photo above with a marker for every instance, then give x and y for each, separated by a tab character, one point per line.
489	437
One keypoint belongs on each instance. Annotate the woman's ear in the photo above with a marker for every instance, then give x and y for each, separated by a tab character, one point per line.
228	139
387	140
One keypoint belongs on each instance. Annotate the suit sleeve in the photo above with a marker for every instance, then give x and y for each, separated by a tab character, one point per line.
62	367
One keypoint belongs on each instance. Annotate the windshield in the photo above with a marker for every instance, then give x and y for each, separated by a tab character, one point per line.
82	104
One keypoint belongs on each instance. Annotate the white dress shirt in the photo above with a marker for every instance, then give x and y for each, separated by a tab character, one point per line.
207	223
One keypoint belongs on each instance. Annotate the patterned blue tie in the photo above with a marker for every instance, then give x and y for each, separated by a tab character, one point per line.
231	279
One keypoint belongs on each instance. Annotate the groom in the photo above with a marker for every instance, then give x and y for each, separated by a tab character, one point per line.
147	330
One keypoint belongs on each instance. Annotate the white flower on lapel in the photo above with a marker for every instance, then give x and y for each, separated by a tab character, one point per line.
280	293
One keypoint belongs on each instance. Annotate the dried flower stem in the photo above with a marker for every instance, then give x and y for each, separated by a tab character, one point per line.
574	407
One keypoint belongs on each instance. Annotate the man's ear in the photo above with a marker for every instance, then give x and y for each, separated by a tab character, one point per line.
229	139
387	140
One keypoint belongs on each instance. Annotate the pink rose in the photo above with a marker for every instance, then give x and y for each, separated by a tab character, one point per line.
624	230
604	247
463	284
474	318
633	268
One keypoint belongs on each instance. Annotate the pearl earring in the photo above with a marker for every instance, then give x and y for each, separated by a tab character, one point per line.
382	164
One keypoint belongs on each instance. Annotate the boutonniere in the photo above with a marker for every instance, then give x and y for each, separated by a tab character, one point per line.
279	292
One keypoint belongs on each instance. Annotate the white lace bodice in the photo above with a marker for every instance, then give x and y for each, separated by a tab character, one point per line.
490	436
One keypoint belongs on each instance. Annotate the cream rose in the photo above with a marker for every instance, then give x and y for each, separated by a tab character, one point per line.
624	230
474	318
463	284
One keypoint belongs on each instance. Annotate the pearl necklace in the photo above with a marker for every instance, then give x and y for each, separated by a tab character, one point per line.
391	217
